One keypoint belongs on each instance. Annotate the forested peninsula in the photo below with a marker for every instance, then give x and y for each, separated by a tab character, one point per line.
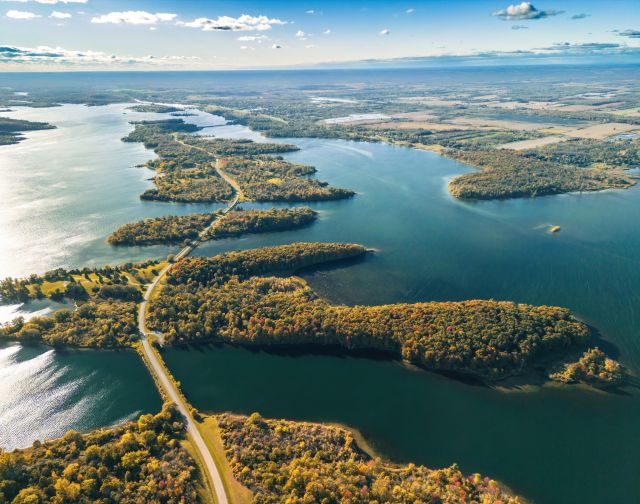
230	298
285	461
10	129
189	168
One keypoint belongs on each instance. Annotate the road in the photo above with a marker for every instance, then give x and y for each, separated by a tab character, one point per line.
156	367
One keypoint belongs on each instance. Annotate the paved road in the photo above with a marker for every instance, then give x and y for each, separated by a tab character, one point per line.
158	369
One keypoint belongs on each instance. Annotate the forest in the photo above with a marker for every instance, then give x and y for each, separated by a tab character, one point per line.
167	229
296	462
239	222
223	298
105	324
270	179
511	174
141	461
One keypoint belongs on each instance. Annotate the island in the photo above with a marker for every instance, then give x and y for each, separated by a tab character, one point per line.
155	108
177	229
593	368
168	229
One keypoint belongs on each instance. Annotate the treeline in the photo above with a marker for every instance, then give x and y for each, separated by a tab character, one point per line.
296	462
510	174
107	324
613	153
223	298
593	368
168	229
200	272
141	461
239	222
155	107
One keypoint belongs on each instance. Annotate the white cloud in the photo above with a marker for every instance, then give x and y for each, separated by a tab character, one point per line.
276	46
326	32
524	10
252	38
153	28
227	23
65	57
310	46
311	11
17	14
133	17
410	11
59	15
384	32
300	34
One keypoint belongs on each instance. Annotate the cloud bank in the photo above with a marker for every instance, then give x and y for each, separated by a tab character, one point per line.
227	23
133	17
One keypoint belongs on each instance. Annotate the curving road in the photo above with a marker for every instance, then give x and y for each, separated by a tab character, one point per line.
156	367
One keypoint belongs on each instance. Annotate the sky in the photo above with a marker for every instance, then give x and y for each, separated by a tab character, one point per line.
67	35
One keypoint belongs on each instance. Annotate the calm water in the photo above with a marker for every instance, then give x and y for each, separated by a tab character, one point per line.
555	444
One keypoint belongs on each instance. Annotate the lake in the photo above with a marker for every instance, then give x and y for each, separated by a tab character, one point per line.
552	444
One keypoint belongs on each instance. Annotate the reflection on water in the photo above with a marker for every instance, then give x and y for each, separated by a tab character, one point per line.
44	393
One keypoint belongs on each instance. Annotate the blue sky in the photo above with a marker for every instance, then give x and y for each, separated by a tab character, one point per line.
212	34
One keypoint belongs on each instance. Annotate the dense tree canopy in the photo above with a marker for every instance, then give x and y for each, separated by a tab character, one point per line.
224	298
295	462
137	462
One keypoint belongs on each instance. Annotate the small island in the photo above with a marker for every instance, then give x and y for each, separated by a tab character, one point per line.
593	368
155	108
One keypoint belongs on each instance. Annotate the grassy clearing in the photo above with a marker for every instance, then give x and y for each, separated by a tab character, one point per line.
236	492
